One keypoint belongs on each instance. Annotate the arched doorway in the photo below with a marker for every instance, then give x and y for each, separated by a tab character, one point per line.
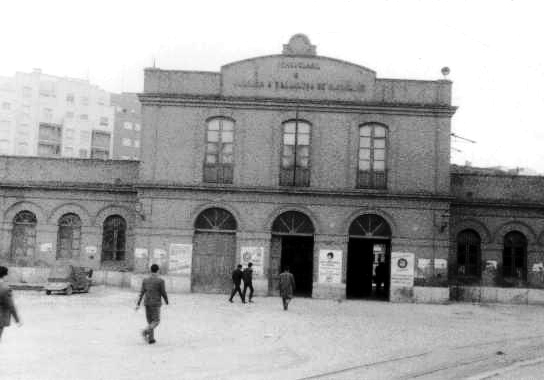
368	258
213	251
113	239
23	237
292	244
69	235
514	256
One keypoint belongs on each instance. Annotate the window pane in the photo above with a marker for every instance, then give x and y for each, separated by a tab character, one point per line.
379	143
288	150
289	139
303	128
364	154
214	125
290	127
379	131
211	159
227	148
379	165
379	154
365	131
364	142
303	151
227	158
363	165
303	162
303	139
212	136
227	136
227	125
287	162
212	148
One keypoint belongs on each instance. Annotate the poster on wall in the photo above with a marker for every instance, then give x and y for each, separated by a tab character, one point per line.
141	253
424	268
330	266
254	255
402	269
46	247
159	257
180	258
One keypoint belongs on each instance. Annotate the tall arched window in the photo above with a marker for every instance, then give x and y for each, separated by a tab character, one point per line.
514	256
113	238
218	166
23	236
295	164
468	253
372	156
69	236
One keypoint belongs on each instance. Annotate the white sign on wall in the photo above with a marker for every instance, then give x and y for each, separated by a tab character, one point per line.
402	269
159	257
141	253
46	247
254	255
180	258
330	266
91	250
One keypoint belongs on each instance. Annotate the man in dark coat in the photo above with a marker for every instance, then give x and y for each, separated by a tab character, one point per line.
381	278
247	281
237	276
153	289
7	308
287	286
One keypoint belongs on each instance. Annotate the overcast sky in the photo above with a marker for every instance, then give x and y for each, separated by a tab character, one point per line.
495	50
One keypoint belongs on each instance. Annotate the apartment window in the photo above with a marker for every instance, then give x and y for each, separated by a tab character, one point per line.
85	136
218	167
128	125
83	153
69	115
6	106
69	134
137	127
84	100
100	145
295	159
372	172
137	143
84	117
126	142
27	92
70	98
514	256
49	139
104	121
47	115
468	253
69	237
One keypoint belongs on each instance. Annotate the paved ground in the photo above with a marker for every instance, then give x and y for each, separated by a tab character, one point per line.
96	336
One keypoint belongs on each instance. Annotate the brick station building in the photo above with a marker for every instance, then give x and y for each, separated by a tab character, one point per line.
292	160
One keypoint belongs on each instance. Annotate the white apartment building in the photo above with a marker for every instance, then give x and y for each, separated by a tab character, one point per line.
44	115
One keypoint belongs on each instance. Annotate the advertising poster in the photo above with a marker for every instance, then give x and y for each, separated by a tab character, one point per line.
254	255
330	266
159	257
180	258
46	247
424	268
402	269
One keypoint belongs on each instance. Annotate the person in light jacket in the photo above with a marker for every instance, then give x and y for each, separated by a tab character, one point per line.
287	286
7	307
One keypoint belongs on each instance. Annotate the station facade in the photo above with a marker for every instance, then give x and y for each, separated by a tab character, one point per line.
294	160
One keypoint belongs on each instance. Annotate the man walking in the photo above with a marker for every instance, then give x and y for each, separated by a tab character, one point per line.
7	308
153	288
287	286
237	276
247	281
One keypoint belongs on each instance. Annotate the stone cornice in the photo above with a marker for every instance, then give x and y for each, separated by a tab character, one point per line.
497	204
56	186
217	101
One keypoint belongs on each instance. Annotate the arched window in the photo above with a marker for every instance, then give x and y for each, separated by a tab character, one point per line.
215	219
372	156
69	236
23	236
370	225
218	166
468	253
295	164
113	238
514	256
293	223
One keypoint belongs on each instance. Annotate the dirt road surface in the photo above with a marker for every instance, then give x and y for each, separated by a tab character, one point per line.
97	336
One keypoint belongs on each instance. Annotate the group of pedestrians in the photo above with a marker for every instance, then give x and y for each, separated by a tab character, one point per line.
245	276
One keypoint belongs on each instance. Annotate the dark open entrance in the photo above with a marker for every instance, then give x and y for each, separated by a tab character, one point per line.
292	245
368	258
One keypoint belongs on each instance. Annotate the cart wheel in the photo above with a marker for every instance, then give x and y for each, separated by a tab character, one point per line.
69	290
48	292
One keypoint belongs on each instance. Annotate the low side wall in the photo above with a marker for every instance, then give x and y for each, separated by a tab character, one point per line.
497	295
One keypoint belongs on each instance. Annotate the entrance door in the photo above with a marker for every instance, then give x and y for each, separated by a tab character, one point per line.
368	258
213	261
292	245
213	251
